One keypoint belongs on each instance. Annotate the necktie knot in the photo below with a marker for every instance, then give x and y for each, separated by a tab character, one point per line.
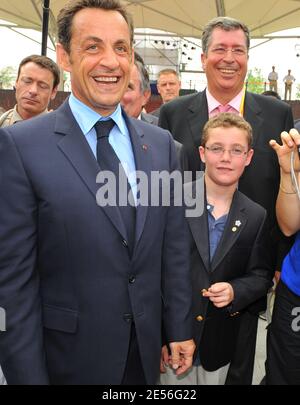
224	108
103	128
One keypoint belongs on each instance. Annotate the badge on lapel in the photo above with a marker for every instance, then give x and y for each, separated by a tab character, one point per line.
236	226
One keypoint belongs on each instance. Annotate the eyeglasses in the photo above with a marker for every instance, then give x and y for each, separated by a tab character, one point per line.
219	150
238	51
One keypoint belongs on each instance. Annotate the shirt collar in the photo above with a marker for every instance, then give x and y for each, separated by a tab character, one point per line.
235	103
86	117
16	117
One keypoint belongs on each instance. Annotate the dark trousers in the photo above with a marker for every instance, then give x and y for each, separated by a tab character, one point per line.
241	366
283	339
134	373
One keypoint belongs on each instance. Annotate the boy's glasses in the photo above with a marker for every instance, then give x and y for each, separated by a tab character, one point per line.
219	150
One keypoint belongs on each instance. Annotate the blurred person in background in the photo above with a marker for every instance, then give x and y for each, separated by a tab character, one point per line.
168	86
36	85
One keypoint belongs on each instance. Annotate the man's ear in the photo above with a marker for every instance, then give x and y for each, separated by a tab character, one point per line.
54	92
63	58
146	97
203	61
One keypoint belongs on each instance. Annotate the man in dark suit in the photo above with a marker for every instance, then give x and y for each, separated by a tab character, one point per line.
225	45
230	263
86	284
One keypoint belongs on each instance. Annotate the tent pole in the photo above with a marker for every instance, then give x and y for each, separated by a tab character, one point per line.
45	26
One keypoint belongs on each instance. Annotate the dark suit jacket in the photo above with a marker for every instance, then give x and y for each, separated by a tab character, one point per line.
68	283
185	118
241	259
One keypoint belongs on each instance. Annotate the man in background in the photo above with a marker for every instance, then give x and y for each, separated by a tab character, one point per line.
225	45
168	86
137	96
36	85
138	92
288	83
273	77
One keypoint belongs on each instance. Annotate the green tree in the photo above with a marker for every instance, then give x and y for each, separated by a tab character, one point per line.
7	77
256	81
298	92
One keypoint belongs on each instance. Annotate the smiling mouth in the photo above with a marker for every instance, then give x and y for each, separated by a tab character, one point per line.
106	80
227	71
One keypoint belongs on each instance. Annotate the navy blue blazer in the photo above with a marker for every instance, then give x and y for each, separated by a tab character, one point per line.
68	284
242	259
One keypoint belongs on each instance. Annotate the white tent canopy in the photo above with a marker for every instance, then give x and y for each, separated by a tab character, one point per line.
184	18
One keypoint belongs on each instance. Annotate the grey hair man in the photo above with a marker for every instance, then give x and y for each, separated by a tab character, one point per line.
138	92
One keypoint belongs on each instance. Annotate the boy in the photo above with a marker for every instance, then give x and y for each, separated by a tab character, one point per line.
230	265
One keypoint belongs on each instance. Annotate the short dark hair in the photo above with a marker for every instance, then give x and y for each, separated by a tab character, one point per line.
45	63
227	120
67	13
226	24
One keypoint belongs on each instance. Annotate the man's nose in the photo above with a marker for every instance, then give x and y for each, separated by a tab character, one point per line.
229	55
109	58
33	89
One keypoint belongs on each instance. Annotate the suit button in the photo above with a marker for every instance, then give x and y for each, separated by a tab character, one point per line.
128	318
199	318
124	243
131	279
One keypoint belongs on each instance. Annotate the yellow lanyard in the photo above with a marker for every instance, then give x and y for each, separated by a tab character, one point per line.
242	105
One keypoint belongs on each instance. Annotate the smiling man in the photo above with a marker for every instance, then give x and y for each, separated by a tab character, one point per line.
225	47
87	286
36	85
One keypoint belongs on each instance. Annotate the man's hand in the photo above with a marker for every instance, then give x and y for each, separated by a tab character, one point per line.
182	355
164	359
220	294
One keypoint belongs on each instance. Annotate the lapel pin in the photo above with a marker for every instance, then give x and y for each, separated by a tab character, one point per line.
237	223
145	147
234	229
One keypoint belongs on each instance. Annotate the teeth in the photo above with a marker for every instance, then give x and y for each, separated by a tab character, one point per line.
106	79
227	70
